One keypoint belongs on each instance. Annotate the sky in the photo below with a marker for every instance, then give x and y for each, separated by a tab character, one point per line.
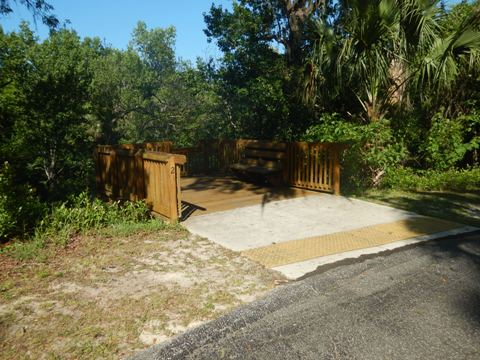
114	21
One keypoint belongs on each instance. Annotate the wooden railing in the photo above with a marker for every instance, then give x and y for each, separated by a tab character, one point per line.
211	157
314	166
130	172
152	172
161	146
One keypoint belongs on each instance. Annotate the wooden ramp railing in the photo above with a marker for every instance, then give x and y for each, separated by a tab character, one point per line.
133	173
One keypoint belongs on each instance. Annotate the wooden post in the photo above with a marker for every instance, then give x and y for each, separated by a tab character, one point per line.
286	163
178	170
114	174
336	169
98	172
205	156
171	189
221	156
139	175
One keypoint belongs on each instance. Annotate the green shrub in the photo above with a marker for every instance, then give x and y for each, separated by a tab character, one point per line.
20	208
446	143
433	180
372	149
81	214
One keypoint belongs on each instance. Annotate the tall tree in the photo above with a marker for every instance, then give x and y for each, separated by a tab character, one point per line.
52	134
264	44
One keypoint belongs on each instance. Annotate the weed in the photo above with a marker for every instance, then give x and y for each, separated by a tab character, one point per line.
131	228
27	249
5	288
43	273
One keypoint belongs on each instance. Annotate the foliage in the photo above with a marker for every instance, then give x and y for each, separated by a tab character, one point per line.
433	180
371	149
51	133
445	145
387	52
145	94
39	9
46	135
135	228
366	60
257	82
20	208
60	96
80	215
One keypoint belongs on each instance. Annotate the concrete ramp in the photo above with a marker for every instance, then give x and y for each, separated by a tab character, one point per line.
295	236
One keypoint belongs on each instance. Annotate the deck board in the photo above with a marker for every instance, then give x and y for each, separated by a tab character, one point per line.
203	195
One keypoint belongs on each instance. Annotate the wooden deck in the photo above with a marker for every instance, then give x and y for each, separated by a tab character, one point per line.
202	195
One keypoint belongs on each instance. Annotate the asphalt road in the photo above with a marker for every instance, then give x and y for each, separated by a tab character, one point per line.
416	303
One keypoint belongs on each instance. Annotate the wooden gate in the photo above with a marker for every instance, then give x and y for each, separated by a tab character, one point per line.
314	166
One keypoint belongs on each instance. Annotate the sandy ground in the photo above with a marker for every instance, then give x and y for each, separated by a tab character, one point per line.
107	297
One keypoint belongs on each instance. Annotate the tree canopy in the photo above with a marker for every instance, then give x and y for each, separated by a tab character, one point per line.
397	80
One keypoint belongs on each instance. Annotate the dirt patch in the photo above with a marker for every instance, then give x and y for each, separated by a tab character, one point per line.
108	297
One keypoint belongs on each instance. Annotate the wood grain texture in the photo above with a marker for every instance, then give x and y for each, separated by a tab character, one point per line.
130	172
314	166
206	194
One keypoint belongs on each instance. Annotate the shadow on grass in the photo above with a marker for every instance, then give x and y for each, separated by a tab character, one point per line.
458	207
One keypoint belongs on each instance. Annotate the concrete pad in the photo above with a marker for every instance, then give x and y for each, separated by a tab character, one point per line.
249	229
274	222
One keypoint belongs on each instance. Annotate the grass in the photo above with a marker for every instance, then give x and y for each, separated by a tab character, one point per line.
461	207
117	290
130	228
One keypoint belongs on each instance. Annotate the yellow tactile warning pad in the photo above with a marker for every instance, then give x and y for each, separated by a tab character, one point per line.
305	249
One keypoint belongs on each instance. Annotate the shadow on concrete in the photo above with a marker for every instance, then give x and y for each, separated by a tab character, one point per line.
188	209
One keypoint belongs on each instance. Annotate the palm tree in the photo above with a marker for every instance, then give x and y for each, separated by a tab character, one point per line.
381	50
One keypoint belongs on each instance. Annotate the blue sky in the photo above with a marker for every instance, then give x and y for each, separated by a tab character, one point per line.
114	21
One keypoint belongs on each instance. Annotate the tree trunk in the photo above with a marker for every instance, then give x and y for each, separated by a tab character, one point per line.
297	13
